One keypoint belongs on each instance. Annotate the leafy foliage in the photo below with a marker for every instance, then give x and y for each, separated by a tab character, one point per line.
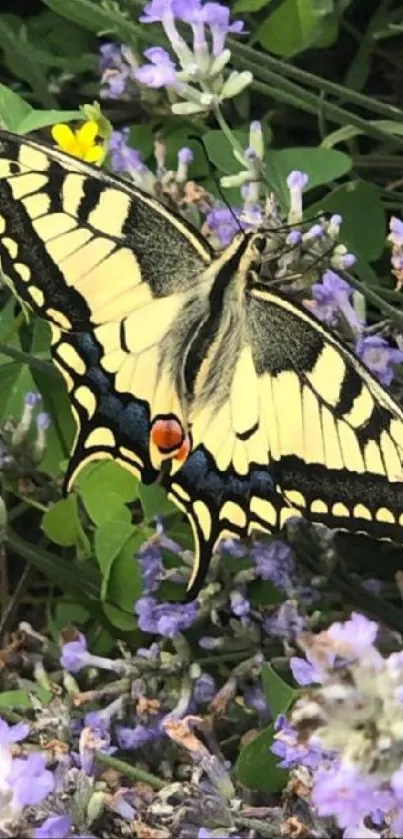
88	546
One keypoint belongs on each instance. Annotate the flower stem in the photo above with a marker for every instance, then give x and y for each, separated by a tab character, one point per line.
262	828
130	771
226	130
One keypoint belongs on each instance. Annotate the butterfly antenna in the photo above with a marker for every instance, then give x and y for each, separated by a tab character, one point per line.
292	277
212	171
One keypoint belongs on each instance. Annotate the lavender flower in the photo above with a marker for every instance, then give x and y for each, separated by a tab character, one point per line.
344	793
379	357
55	827
43	422
204	689
304	672
23	781
150	560
286	622
117	65
331	299
255	699
274	561
185	157
293	753
31	400
355	717
207	642
296	182
131	738
223	222
160	72
93	738
75	656
357	635
198	79
165	618
396	240
123	157
240	606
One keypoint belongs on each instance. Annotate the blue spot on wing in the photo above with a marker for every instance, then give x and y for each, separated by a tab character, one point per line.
201	479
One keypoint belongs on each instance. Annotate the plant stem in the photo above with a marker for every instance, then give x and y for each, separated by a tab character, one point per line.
26	358
385	308
130	771
282	69
226	130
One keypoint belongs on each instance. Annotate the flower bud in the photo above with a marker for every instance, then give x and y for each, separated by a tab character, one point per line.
235	84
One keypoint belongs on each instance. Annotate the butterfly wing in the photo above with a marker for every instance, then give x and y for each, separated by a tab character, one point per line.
112	270
304	429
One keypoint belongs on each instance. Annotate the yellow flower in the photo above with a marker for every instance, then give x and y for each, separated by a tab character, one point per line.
81	142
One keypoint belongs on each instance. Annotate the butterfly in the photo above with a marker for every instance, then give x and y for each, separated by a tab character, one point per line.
187	368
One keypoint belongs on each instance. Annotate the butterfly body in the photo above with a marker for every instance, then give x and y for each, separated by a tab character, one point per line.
187	367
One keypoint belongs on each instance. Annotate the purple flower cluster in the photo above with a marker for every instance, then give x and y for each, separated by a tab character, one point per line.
274	561
196	73
150	558
332	299
117	66
165	618
347	730
379	357
24	781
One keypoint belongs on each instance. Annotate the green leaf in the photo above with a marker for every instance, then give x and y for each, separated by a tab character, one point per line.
81	580
60	435
109	540
155	501
40	119
61	523
257	768
13	108
220	151
250	5
125	583
15	381
141	137
21	698
346	132
20	57
321	165
291	28
264	593
279	695
357	201
95	17
105	488
69	612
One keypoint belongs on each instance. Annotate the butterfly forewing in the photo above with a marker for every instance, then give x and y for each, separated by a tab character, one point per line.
112	270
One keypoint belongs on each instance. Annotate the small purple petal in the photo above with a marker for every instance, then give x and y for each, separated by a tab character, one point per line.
55	827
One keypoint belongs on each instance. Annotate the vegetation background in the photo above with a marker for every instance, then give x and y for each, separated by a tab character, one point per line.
327	88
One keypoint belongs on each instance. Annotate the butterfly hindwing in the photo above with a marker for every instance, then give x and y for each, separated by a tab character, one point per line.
338	445
299	427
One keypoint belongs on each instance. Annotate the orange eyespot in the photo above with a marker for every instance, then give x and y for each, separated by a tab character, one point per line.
169	442
184	451
167	435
